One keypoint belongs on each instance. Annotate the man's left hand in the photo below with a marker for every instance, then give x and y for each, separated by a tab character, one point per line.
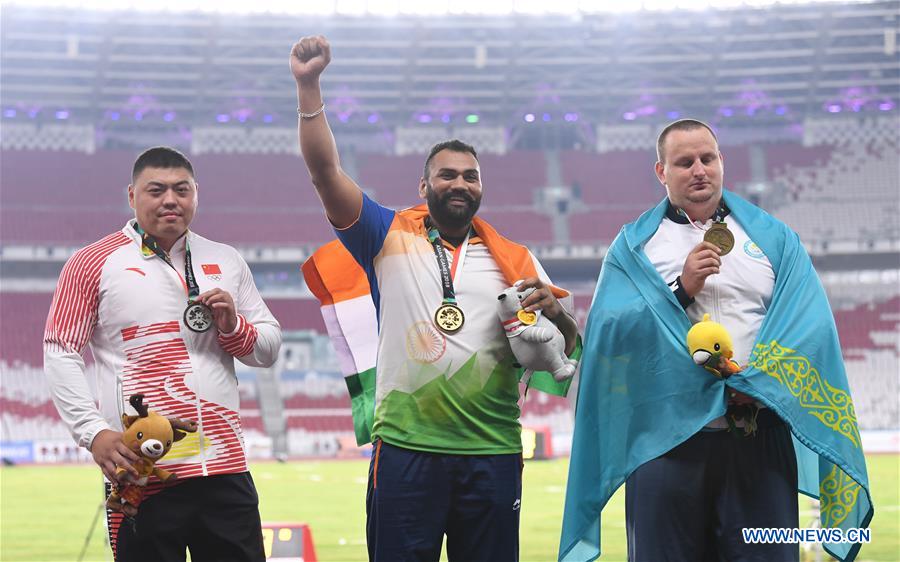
544	300
222	306
541	299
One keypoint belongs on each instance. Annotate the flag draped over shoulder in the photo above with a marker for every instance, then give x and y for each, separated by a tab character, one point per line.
342	288
640	394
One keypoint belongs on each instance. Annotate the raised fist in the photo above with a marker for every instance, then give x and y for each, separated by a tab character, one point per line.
309	57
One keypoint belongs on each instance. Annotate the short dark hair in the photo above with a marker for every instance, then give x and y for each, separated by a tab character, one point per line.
680	125
455	145
160	157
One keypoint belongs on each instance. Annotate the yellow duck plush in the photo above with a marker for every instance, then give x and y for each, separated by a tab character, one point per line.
150	435
710	347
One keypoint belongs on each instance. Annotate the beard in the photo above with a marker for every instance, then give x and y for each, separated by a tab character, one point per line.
447	215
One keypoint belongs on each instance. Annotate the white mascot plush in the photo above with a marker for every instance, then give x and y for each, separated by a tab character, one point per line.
536	342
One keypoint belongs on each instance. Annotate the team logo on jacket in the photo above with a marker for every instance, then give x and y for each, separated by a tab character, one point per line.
212	271
752	250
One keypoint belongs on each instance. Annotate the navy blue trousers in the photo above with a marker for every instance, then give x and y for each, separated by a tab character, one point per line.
415	498
690	504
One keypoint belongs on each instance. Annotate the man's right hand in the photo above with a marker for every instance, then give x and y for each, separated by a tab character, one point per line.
309	57
703	261
340	195
110	452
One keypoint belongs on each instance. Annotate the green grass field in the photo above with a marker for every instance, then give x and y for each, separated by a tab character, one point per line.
46	511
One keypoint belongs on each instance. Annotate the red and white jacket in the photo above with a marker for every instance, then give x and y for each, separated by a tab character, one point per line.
128	304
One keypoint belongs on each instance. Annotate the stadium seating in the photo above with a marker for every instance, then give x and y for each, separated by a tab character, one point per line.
523	226
601	224
26	409
22	329
296	313
618	178
833	194
317	407
268	199
844	195
870	340
244	199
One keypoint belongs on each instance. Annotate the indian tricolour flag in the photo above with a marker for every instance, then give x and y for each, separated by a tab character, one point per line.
341	286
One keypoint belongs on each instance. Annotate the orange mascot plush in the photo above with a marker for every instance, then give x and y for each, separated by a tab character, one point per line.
150	435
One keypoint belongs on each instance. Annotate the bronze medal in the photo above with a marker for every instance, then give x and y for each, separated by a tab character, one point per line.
719	235
198	317
449	318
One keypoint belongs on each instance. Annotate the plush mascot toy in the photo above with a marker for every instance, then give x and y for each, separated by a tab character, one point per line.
536	342
150	435
710	347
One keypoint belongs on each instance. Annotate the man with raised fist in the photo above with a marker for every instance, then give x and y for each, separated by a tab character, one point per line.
443	404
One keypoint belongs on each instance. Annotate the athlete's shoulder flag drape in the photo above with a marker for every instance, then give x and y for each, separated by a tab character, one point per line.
342	288
640	394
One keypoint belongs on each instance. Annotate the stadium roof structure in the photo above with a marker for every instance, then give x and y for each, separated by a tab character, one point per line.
136	71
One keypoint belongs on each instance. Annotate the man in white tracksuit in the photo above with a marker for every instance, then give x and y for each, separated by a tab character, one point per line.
165	312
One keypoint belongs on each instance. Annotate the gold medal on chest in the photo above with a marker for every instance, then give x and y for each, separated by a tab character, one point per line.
449	318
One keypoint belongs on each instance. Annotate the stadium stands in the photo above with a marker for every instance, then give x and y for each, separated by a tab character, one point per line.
26	410
297	314
316	404
22	329
833	193
523	226
851	195
258	199
601	224
830	193
619	178
870	339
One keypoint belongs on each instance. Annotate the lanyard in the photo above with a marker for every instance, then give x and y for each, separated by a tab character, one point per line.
151	243
448	274
718	216
717	233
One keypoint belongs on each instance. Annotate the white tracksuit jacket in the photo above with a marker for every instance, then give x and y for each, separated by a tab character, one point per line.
128	304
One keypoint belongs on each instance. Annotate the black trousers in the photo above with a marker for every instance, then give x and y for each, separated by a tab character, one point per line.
215	517
691	503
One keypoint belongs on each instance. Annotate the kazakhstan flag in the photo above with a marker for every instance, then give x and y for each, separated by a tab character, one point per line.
641	395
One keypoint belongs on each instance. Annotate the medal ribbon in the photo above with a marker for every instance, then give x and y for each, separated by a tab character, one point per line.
150	242
448	274
718	216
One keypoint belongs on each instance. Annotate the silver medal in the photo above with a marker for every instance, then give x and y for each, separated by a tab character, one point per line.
198	317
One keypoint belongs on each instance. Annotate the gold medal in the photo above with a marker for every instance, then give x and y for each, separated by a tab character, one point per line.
719	235
449	318
527	318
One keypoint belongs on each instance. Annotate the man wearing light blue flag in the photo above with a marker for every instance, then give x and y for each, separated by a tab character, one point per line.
706	457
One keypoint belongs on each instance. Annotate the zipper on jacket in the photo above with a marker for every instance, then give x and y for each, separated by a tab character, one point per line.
185	336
